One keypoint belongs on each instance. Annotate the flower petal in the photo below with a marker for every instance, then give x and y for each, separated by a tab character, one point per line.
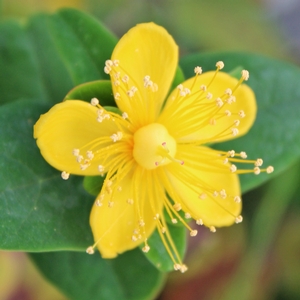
145	50
66	126
200	119
115	224
205	174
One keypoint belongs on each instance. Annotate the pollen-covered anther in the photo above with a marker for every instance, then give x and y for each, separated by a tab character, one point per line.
130	93
234	131
98	203
231	100
203	87
225	161
202	196
117	96
193	232
256	170
199	222
75	152
209	96
116	63
223	194
215	194
125	78
111	204
90	250
212	229
270	169
198	70
237	199
220	65
242	114
236	122
116	136
65	175
231	153
101	168
94	101
233	168
124	115
238	219
107	69
141	222
243	155
177	206
134	238
258	162
227	113
130	201
89	155
187	215
177	267
183	268
146	249
174	221
180	87
228	92
163	230
219	102
245	75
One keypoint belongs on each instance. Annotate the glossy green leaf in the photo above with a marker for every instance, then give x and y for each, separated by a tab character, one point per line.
93	184
39	210
81	276
100	89
275	134
158	254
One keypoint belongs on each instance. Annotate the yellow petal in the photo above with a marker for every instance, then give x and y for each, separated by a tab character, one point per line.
186	181
67	126
199	119
145	50
116	223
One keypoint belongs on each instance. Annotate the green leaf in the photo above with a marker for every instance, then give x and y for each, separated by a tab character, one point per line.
39	210
275	134
158	254
93	184
19	76
100	89
84	44
82	276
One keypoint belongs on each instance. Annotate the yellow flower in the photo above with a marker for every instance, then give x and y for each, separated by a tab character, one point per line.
156	147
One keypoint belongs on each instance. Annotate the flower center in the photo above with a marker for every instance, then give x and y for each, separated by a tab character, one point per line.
153	146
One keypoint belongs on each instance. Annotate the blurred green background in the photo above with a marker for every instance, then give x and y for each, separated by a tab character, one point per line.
259	259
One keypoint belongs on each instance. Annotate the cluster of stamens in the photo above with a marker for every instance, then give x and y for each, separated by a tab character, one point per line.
215	112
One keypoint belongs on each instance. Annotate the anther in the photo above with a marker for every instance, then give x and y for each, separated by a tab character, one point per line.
146	249
130	201
258	162
117	96
231	153
225	161
227	113
269	169
199	222
183	268
237	199
234	131
110	204
203	87
94	101
90	250
90	155
243	154
180	87
107	69
242	114
125	79
245	75
65	175
177	206
202	196
116	136
212	229
116	62
187	215
198	70
98	203
174	221
134	238
209	96
193	232
238	219
231	100
219	102
124	115
228	92
141	223
220	65
236	122
101	168
75	152
177	267
233	168
223	194
256	170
